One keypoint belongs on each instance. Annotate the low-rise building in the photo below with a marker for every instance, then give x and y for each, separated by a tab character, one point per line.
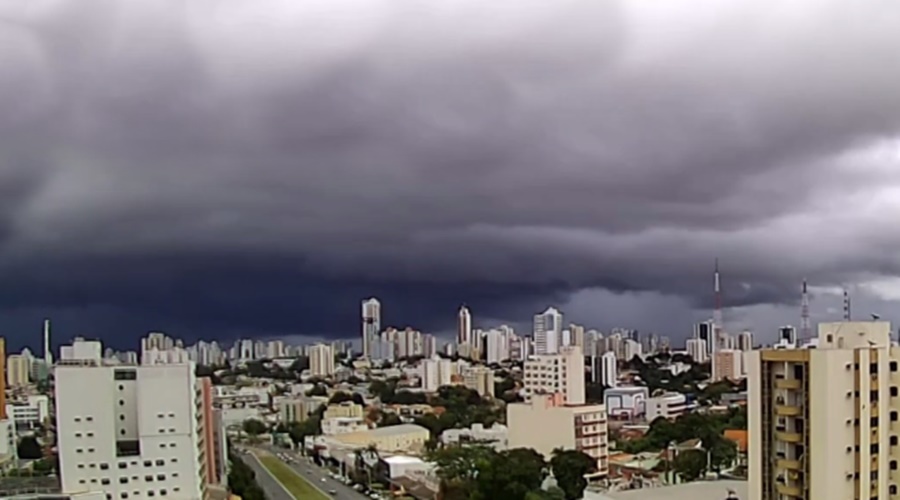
495	436
396	438
30	412
626	402
480	379
347	409
343	425
669	406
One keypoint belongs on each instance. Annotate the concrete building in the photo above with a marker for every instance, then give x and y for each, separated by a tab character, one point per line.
495	436
546	423
333	426
480	379
633	349
669	406
347	409
437	372
561	373
823	422
298	410
745	341
130	431
18	370
626	402
30	412
727	364
321	360
697	350
396	438
371	324
547	331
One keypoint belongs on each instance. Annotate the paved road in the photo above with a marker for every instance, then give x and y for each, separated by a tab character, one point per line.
271	487
319	477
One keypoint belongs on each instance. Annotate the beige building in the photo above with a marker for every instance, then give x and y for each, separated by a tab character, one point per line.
546	424
480	379
18	368
726	364
321	360
298	410
561	373
347	409
395	438
823	422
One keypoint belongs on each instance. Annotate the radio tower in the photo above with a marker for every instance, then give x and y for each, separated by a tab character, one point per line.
846	305
805	329
717	312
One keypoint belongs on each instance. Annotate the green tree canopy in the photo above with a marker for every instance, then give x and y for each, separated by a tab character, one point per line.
569	468
254	427
690	464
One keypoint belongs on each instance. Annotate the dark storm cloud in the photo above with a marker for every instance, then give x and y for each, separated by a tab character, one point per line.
176	159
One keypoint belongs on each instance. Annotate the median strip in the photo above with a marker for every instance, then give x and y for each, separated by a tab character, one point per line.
296	485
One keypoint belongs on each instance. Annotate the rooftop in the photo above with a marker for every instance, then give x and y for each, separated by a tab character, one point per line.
701	490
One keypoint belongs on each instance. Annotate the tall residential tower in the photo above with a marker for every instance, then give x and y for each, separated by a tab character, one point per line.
371	324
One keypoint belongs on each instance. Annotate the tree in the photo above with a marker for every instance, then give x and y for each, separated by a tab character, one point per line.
552	493
389	419
690	464
254	427
318	390
569	468
44	466
722	452
511	475
242	480
29	448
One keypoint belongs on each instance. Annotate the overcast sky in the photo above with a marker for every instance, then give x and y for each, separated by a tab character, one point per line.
214	168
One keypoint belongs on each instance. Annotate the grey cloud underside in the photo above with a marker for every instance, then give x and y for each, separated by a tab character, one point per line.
513	151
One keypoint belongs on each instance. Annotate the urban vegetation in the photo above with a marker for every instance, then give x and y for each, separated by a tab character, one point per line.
296	485
242	479
481	473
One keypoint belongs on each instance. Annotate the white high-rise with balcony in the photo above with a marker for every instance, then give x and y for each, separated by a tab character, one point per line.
129	431
371	324
321	360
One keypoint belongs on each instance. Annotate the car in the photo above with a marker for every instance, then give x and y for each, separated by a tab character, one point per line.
332	492
324	480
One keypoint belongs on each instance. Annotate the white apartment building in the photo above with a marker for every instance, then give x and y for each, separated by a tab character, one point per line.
697	350
557	373
745	341
437	372
727	364
30	412
547	331
343	425
496	343
546	423
669	406
371	324
130	431
480	379
823	422
605	370
633	349
170	356
321	360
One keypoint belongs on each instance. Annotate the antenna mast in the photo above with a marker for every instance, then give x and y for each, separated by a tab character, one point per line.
805	328
846	305
717	312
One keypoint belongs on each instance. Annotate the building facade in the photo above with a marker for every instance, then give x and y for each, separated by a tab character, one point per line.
561	373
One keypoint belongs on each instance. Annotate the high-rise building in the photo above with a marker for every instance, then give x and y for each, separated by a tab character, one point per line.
437	372
18	370
48	350
464	327
2	378
496	345
633	349
117	435
321	360
609	372
787	336
547	331
745	341
696	349
480	379
561	373
705	331
727	365
823	421
371	324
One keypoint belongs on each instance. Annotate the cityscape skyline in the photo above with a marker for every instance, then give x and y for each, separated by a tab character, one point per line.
429	181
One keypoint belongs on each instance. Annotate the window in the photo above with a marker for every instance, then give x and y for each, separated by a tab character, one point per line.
148	478
121	402
125	375
147	463
78	450
81	466
893	366
893	465
78	434
124	495
90	434
121	387
151	493
892	489
109	496
893	416
873	368
89	419
893	440
78	419
174	474
90	450
176	489
104	481
81	481
894	391
123	480
122	418
162	493
160	477
873	449
123	465
122	432
104	466
162	445
160	462
92	466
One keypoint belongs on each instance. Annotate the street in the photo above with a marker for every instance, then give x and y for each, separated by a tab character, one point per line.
269	485
316	476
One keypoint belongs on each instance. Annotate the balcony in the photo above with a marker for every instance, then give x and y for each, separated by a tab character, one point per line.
787	383
788	464
787	410
792	491
788	437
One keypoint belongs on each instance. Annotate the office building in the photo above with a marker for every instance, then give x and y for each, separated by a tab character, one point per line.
480	379
130	431
464	327
321	360
823	422
561	373
437	372
705	331
745	341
